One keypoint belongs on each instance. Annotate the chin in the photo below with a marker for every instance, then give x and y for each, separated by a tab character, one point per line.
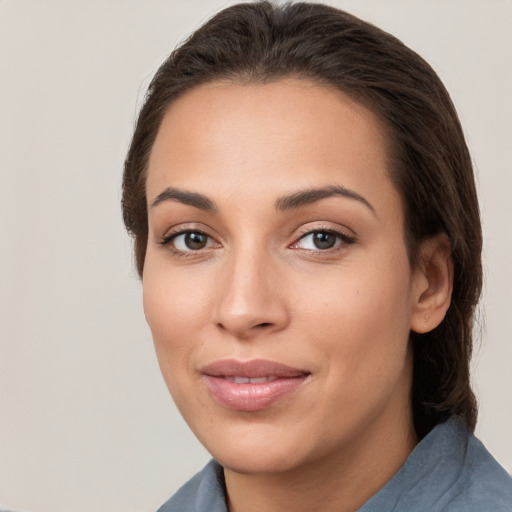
256	452
248	444
251	462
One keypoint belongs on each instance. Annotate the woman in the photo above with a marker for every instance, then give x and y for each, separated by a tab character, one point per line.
307	231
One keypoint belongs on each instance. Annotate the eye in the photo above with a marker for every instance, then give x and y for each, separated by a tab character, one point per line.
188	241
322	240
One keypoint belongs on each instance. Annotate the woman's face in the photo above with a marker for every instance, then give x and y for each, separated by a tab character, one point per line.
276	283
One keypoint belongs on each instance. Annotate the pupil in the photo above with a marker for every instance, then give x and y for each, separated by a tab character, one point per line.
324	240
195	241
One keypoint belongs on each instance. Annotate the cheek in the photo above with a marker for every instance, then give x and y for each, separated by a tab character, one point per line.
176	310
360	316
175	299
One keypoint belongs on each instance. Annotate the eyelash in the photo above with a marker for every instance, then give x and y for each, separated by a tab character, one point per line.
345	240
168	239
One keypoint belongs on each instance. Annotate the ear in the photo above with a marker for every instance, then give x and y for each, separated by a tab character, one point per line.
432	284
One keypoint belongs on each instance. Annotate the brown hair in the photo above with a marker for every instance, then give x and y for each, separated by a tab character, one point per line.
430	162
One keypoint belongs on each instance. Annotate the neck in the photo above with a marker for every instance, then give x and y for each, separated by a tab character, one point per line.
340	482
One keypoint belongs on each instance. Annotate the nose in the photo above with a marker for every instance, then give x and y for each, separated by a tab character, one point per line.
251	300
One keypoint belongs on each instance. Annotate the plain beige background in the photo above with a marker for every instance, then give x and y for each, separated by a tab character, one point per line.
85	420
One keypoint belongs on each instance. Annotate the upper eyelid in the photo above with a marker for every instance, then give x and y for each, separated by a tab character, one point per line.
309	231
182	228
342	236
346	235
167	242
309	228
298	233
177	234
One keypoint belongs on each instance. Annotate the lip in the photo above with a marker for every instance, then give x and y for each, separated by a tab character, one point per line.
274	381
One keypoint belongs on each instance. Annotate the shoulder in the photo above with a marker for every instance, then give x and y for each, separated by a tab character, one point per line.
485	484
204	491
449	471
478	480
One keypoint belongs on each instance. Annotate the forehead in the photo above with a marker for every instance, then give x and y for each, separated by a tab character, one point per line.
225	136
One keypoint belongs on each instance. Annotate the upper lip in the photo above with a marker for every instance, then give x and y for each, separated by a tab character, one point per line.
253	369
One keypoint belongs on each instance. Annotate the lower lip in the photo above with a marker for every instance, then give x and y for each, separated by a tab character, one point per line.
251	397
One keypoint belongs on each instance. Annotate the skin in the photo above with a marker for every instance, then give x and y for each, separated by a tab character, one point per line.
260	289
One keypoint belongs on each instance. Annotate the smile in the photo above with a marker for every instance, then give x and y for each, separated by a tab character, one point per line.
249	380
252	385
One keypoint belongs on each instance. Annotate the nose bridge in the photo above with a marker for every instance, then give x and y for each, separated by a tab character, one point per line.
249	300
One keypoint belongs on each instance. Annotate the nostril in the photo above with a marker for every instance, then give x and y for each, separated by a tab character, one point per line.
264	324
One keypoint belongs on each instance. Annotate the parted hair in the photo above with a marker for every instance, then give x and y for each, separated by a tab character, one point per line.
429	162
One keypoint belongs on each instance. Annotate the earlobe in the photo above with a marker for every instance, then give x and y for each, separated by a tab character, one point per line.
433	284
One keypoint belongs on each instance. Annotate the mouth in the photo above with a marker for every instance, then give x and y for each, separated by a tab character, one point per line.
249	380
251	385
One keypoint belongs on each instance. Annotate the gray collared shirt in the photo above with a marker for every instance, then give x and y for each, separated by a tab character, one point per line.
449	470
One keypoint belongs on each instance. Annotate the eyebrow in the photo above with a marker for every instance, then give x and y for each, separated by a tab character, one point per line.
309	196
185	197
292	201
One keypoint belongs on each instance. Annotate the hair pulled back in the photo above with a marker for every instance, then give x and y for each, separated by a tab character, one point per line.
429	160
